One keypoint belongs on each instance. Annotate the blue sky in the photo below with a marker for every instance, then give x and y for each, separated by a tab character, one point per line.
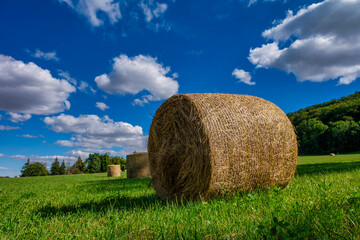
80	76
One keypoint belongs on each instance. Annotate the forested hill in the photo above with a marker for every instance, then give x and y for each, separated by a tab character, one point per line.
329	127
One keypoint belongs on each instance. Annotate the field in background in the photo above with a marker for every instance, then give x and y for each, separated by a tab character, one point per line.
322	201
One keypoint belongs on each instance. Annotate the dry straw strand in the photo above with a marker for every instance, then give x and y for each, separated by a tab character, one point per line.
204	144
137	165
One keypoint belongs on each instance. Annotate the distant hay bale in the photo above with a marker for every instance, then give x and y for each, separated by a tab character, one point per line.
207	144
137	165
113	170
332	154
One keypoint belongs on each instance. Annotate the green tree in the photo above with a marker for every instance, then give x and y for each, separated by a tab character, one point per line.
310	132
33	169
118	161
344	136
62	168
55	167
25	169
93	163
104	161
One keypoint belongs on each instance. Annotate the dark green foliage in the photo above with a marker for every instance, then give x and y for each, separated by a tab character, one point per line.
104	161
62	168
55	167
33	169
98	162
119	161
332	126
93	163
310	133
78	167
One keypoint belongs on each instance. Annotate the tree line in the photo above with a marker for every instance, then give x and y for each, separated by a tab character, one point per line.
332	126
95	163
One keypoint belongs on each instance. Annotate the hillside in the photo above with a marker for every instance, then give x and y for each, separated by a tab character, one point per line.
329	127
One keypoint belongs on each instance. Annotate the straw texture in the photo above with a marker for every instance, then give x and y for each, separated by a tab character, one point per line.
113	170
206	144
137	165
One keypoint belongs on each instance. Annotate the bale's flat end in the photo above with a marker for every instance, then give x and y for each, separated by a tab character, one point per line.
113	171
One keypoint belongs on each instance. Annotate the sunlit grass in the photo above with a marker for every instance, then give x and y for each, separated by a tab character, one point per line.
322	201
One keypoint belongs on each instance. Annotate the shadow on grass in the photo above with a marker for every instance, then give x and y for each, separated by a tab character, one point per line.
324	168
117	198
102	206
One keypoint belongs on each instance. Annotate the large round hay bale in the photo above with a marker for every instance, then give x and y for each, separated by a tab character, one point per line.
137	165
206	144
113	170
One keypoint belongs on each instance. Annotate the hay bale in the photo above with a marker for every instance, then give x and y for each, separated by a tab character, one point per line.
205	144
137	165
113	170
332	154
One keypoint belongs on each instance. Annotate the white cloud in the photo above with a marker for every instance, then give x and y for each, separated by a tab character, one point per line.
85	87
91	131
326	45
153	10
2	155
46	159
243	76
84	153
133	75
45	55
102	106
7	128
17	117
67	76
27	88
251	2
75	153
91	9
28	136
3	168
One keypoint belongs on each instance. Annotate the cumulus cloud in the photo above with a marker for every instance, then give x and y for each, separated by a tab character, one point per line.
7	128
17	117
93	9
326	43
102	106
153	10
91	131
243	76
27	88
45	55
133	75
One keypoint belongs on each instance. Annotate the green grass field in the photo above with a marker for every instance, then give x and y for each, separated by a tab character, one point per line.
322	202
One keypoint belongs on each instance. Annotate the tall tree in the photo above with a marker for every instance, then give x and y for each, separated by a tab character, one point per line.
93	163
104	160
62	168
55	167
25	169
34	169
